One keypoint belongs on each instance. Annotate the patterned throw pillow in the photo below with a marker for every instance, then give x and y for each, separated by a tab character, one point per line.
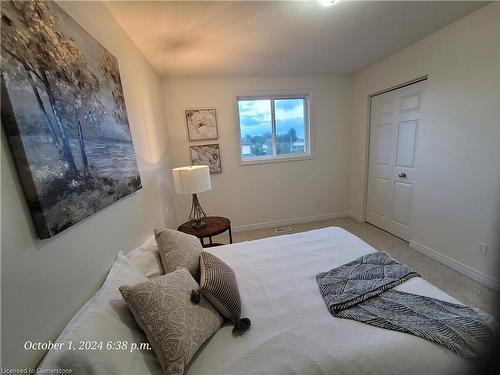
179	250
174	326
218	285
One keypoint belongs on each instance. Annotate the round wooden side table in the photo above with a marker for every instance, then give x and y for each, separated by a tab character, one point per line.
214	225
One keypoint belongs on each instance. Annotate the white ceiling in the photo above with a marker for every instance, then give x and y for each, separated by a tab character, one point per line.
184	38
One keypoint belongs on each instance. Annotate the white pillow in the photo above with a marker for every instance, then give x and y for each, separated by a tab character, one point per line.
147	259
106	318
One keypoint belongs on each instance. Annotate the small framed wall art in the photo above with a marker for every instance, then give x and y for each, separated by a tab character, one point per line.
201	124
207	155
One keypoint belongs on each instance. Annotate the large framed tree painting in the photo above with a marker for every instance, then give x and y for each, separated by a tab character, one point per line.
64	115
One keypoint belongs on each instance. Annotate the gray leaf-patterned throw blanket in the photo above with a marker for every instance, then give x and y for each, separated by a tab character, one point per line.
359	290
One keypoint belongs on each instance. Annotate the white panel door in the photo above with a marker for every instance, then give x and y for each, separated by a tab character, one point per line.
394	121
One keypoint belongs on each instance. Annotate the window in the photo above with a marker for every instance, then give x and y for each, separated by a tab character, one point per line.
273	128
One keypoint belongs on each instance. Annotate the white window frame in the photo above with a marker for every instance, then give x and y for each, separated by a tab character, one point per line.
274	95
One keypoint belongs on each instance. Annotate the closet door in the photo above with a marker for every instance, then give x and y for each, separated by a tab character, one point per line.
394	121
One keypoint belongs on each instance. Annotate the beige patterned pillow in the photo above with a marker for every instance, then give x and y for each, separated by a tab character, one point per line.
179	250
174	326
218	285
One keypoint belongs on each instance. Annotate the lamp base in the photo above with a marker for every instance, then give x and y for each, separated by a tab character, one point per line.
198	224
197	214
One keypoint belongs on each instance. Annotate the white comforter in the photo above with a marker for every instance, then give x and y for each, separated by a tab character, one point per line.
292	331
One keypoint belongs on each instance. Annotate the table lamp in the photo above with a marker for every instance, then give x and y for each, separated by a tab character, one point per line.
192	180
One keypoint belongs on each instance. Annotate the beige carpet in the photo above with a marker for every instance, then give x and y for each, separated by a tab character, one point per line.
461	287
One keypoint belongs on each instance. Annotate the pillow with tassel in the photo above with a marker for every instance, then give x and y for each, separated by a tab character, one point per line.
218	285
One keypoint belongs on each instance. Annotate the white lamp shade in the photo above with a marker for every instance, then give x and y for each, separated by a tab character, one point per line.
191	180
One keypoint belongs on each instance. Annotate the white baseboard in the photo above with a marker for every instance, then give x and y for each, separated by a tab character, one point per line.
357	217
470	272
281	223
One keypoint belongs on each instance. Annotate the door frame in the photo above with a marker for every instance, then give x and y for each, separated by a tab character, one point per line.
368	137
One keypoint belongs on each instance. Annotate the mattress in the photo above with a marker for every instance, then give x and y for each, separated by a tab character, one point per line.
292	331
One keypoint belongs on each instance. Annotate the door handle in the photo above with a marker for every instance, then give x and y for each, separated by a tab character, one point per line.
402	175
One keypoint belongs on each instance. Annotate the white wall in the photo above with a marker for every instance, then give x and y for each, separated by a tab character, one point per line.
456	201
254	194
45	282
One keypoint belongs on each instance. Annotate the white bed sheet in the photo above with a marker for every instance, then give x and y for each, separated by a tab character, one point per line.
292	331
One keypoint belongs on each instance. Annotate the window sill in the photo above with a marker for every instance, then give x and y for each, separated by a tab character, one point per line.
280	159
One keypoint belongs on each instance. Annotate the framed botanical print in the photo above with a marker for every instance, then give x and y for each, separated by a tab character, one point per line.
201	124
207	155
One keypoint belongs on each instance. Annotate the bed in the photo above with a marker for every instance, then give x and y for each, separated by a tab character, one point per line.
292	330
